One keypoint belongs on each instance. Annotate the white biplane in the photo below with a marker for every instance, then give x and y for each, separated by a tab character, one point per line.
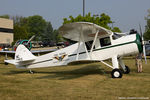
94	43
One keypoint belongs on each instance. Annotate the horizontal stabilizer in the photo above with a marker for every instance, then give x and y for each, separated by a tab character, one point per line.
23	61
11	62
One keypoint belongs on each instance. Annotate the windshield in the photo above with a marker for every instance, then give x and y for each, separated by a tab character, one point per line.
116	36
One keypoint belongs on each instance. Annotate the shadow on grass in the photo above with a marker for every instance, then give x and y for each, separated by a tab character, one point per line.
67	74
2	63
76	73
13	72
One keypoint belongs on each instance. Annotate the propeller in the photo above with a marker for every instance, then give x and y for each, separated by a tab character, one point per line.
143	43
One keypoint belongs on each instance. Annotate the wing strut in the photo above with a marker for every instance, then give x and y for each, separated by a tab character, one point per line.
93	44
81	39
77	57
85	46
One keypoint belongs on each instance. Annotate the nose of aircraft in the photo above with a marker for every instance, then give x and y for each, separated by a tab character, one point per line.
139	43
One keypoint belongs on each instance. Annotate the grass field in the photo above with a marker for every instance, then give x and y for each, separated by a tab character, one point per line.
73	82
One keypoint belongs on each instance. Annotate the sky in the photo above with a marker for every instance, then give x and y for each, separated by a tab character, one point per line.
127	14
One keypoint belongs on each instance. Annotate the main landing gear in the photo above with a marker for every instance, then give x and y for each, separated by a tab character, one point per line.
116	73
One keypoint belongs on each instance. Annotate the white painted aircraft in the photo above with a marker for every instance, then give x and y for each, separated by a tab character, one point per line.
94	43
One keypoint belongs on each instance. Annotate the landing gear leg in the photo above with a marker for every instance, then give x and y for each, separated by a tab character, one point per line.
6	57
116	72
31	72
125	68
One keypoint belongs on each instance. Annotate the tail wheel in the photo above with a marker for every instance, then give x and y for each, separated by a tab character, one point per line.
6	63
116	73
127	70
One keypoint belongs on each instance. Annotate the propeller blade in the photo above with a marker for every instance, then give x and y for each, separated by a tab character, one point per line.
143	44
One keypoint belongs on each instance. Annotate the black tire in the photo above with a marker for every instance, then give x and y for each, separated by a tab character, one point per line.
127	70
6	63
116	73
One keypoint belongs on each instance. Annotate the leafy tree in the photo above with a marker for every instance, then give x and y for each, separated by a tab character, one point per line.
5	16
36	25
147	27
102	20
20	32
25	27
116	29
57	36
20	28
20	20
48	33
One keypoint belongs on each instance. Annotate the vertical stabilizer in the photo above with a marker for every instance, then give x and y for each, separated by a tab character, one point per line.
23	54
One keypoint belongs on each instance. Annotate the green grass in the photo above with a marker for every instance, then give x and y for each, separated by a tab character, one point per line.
73	82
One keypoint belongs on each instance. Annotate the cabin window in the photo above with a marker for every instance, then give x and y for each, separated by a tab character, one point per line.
89	45
105	41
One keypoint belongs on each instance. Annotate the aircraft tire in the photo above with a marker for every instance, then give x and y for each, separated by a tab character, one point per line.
127	70
6	63
116	73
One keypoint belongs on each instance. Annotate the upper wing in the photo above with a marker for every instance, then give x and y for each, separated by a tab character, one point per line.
74	31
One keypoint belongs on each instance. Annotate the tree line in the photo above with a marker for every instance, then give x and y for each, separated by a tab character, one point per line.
103	20
26	27
147	27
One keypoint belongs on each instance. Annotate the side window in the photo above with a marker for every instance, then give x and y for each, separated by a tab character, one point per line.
105	41
89	45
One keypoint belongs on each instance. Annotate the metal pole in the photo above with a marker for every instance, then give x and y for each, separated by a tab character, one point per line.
83	8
